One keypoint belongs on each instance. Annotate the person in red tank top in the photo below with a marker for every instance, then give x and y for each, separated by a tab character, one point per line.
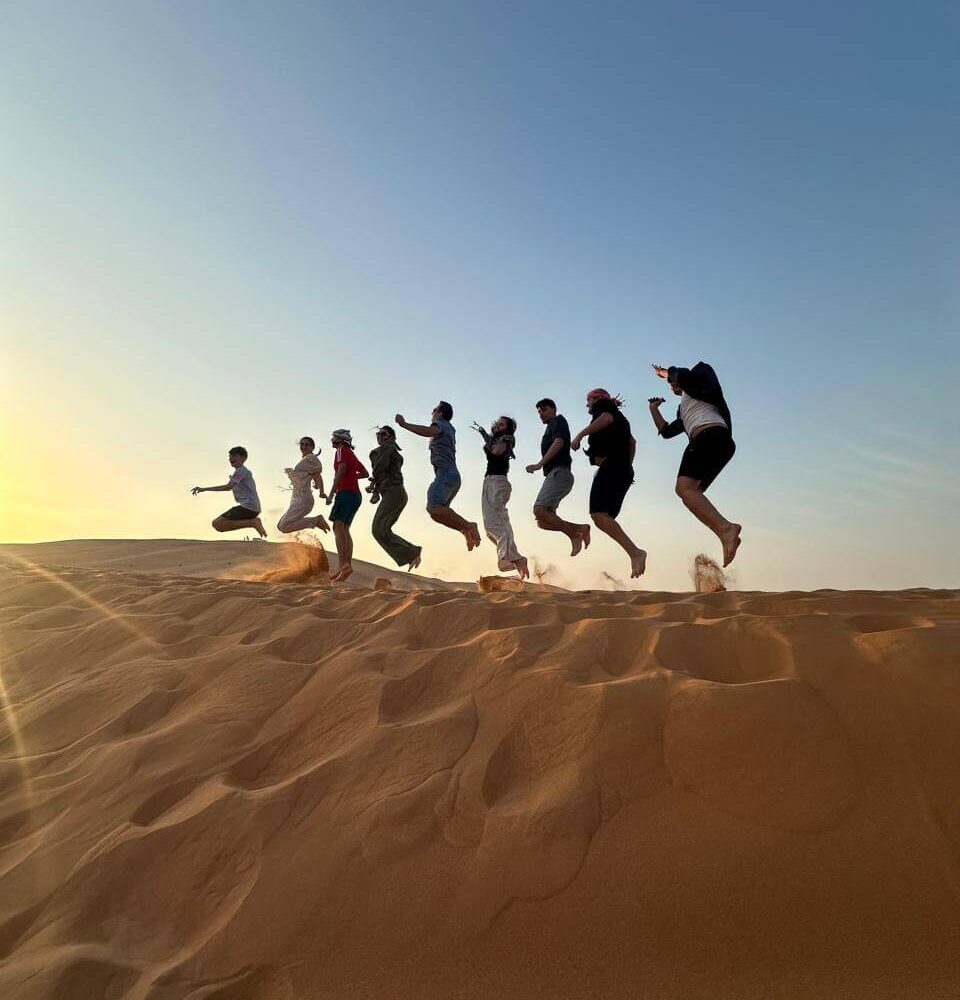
346	498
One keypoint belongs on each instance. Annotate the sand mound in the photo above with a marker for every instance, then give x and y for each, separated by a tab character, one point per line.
227	790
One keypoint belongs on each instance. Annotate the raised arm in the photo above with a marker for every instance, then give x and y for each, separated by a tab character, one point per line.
424	431
211	489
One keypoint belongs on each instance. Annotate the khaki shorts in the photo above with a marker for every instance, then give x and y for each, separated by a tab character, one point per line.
556	485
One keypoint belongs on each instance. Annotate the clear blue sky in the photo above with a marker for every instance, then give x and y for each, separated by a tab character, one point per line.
242	222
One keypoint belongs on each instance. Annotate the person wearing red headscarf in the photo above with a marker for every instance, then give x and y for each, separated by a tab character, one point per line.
611	448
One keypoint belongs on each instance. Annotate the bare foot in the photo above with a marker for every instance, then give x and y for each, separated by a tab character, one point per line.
345	570
730	538
585	535
472	535
321	523
638	563
262	532
522	570
414	563
576	544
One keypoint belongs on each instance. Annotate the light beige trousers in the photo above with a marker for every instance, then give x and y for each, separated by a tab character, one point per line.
496	520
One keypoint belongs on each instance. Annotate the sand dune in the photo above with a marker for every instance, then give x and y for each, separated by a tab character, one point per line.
224	790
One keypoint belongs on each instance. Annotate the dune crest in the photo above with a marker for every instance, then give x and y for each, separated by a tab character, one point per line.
257	791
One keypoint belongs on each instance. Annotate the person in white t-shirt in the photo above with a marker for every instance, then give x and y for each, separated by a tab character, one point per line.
704	417
305	475
241	483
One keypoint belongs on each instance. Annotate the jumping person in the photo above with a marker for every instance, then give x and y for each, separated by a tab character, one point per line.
612	449
306	474
498	445
386	489
557	477
345	496
247	512
446	480
705	417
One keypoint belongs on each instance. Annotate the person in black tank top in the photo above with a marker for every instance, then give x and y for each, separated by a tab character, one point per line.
611	447
498	445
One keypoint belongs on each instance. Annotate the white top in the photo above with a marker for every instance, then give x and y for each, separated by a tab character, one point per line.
244	488
301	475
695	413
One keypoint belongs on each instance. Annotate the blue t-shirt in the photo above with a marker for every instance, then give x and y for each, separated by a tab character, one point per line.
443	446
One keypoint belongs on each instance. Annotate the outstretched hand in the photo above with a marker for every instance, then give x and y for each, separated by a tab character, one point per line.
196	490
660	371
398	418
534	468
655	401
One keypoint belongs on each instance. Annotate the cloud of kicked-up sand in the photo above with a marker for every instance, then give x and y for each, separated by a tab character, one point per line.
708	577
305	561
541	572
613	582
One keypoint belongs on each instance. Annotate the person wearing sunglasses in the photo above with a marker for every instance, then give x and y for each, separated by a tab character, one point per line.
387	491
304	476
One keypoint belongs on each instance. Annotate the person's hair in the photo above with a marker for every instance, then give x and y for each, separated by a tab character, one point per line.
511	424
238	450
387	429
445	410
309	441
546	401
616	400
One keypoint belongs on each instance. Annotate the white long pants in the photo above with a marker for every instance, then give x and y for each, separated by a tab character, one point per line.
295	519
496	520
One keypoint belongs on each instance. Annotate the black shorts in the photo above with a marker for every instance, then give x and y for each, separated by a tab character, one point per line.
610	484
706	455
240	514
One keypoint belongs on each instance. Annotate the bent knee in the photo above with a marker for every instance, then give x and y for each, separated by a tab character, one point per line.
600	519
540	512
687	489
218	525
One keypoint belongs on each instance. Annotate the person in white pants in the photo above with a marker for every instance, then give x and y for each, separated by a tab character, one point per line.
306	474
498	446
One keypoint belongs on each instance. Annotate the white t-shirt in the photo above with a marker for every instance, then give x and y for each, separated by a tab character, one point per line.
303	473
244	488
695	413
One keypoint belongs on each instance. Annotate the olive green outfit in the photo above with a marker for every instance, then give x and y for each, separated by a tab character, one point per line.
386	464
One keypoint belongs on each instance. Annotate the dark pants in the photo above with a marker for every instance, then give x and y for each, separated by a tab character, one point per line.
392	501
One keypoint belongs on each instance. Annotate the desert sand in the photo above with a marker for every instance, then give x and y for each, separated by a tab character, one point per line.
224	789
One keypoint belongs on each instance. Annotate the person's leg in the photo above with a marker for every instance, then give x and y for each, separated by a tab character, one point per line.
508	555
609	489
695	500
442	491
638	557
295	518
392	502
341	536
449	518
224	523
549	520
557	484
